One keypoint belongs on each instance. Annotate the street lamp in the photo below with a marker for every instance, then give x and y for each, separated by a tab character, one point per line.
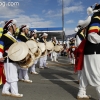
63	19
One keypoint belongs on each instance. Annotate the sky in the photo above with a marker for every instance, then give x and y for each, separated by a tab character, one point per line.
45	13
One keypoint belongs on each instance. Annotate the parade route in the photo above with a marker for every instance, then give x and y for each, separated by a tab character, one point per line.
59	82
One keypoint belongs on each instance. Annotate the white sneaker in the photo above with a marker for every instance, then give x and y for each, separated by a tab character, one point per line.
28	81
84	97
52	60
41	67
17	95
34	73
6	94
46	63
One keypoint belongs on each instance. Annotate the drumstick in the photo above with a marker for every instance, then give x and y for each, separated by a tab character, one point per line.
11	54
32	48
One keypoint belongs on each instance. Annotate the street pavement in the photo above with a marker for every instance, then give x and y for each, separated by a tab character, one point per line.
59	82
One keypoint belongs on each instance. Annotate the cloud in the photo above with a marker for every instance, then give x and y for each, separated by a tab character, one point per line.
50	12
73	9
69	31
67	10
70	6
77	3
66	2
33	21
8	11
70	21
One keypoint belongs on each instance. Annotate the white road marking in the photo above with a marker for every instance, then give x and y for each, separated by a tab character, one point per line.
66	80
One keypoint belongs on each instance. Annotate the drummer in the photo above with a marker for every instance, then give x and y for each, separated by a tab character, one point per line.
10	88
54	54
42	61
23	72
34	38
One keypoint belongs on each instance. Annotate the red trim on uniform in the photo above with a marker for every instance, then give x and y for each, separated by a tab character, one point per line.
79	56
2	73
1	50
95	30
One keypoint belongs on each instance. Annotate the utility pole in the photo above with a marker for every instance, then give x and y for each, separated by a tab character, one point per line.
63	19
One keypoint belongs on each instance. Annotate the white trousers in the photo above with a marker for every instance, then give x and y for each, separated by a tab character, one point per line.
11	78
32	68
42	62
54	56
10	86
84	83
23	74
79	74
72	59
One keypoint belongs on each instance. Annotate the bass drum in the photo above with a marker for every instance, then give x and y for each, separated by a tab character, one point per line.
32	45
41	46
28	61
38	53
49	47
58	48
19	52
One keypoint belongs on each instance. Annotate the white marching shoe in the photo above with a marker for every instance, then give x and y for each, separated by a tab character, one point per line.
28	81
82	95
17	95
34	73
6	94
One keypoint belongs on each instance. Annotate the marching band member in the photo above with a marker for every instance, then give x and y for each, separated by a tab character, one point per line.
71	50
34	38
10	88
80	36
23	72
90	72
54	54
42	61
68	46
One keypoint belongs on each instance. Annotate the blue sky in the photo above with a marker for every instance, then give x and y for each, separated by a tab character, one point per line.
46	13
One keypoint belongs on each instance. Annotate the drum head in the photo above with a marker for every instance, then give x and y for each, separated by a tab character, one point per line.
32	45
57	48
61	47
38	53
18	51
42	46
44	53
28	61
49	45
